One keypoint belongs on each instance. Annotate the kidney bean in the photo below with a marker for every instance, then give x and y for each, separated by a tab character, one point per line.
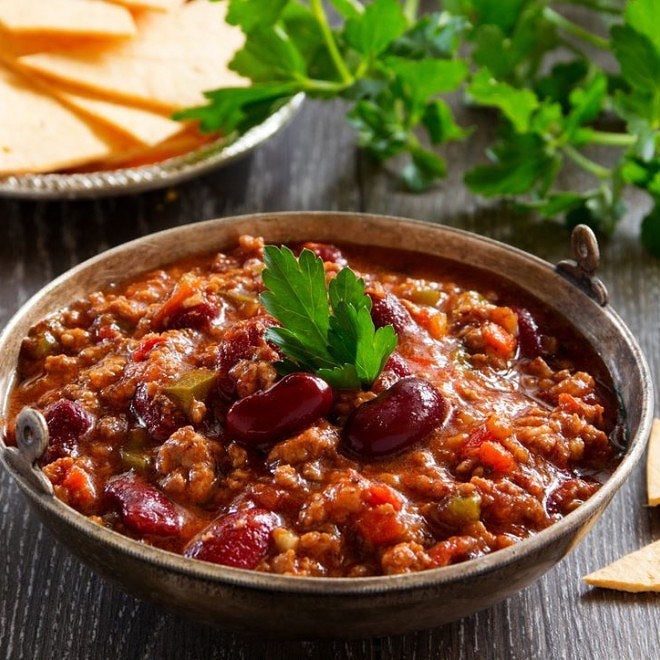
529	336
160	416
286	408
143	509
67	422
397	418
327	252
240	539
197	316
388	310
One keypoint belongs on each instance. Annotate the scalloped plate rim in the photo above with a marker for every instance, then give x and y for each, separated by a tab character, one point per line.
148	177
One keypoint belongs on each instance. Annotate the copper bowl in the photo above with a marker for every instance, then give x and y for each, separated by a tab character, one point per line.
279	605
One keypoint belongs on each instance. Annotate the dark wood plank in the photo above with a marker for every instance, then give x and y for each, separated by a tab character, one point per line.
53	606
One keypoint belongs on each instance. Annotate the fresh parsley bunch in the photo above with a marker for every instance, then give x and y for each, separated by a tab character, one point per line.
524	58
327	330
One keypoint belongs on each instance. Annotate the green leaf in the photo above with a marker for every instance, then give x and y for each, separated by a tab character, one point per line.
520	162
296	295
586	103
347	288
558	203
643	16
230	108
343	377
434	35
348	8
639	60
326	330
376	28
425	78
561	81
517	105
502	13
440	124
425	168
303	29
644	174
492	50
651	229
378	127
252	14
270	55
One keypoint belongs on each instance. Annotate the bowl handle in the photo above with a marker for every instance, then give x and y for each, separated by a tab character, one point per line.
31	441
581	271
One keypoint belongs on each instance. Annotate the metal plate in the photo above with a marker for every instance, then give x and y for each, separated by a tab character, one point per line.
147	177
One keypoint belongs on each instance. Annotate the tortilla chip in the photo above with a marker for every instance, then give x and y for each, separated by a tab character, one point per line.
157	5
177	145
175	57
653	465
66	17
637	571
39	134
142	126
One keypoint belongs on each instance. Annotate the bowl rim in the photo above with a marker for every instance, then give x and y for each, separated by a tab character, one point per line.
335	586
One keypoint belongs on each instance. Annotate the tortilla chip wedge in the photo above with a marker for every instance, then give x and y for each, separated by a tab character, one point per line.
175	57
142	126
39	134
88	18
157	5
653	466
637	571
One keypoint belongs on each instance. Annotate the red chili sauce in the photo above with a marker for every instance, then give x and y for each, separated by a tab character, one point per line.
136	382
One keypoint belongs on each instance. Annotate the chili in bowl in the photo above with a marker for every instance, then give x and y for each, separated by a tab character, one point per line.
423	430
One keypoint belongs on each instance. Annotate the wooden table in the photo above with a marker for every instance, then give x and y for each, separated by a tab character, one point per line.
52	606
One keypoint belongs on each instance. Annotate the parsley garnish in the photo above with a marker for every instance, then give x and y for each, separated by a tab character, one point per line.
326	330
526	59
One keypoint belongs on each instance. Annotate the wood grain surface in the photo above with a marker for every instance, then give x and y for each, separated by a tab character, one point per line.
52	606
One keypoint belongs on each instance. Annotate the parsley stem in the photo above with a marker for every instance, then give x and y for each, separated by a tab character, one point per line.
572	28
310	85
586	163
603	7
612	139
322	19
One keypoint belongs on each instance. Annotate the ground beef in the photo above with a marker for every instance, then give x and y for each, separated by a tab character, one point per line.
137	383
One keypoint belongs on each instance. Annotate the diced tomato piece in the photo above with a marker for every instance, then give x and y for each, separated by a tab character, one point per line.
498	340
496	457
454	549
182	291
81	488
187	307
433	321
380	525
378	494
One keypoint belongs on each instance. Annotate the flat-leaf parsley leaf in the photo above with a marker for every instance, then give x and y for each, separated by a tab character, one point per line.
325	329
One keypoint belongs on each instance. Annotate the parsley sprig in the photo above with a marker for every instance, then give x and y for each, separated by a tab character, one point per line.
524	58
325	329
